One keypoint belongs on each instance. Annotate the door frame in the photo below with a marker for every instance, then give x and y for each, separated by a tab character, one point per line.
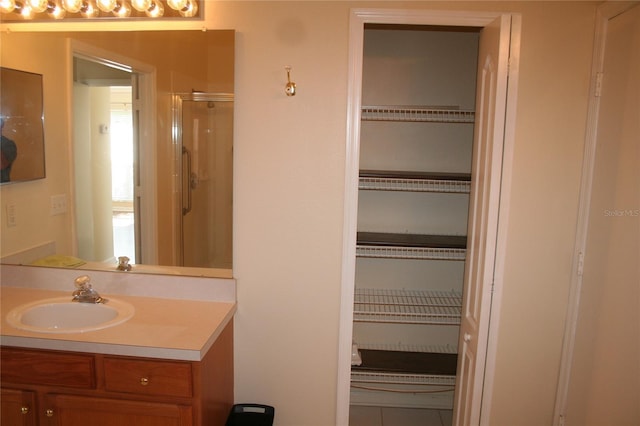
145	194
604	13
358	18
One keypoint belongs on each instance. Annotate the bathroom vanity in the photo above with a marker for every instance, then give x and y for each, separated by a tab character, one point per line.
170	364
43	387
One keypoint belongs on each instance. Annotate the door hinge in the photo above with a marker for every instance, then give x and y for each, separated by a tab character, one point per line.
598	89
580	264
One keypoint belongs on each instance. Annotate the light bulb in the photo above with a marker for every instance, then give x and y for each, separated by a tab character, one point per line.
141	5
190	10
89	10
38	5
72	6
25	10
122	9
106	5
54	10
156	10
177	4
7	6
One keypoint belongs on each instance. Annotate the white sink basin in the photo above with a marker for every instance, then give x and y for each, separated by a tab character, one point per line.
61	315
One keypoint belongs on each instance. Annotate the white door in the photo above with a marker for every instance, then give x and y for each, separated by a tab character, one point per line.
484	204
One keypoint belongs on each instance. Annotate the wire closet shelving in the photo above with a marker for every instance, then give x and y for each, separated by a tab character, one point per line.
391	365
378	180
407	306
429	114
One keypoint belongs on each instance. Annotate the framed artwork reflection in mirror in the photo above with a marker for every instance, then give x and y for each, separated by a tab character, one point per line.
22	122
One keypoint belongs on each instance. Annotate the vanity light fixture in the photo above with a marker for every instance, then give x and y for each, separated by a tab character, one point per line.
37	10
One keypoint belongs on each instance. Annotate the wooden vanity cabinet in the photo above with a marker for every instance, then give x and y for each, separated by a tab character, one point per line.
57	388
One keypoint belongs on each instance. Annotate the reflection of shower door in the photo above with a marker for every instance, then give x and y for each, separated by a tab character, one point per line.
205	148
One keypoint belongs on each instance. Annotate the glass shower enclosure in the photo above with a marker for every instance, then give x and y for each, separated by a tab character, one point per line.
203	143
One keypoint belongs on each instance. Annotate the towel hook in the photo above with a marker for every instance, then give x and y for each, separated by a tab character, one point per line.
290	87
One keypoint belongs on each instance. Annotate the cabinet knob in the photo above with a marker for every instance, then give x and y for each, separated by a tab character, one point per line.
49	412
24	410
144	381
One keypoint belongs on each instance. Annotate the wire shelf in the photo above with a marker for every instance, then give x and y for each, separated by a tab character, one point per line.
402	378
414	185
407	306
410	246
442	349
417	253
417	114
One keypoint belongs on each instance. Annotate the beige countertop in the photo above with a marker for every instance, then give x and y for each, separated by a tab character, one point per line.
160	327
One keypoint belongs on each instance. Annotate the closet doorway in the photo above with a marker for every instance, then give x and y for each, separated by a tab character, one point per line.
482	246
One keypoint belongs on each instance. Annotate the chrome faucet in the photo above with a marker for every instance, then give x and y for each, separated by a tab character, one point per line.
123	264
84	293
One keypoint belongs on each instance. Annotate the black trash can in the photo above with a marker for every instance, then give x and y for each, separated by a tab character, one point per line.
251	415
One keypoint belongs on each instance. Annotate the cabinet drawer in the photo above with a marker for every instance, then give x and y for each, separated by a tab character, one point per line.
47	368
148	377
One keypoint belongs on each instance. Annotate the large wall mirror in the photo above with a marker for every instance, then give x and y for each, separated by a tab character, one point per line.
148	125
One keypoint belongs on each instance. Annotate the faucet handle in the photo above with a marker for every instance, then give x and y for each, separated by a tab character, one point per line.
83	282
123	264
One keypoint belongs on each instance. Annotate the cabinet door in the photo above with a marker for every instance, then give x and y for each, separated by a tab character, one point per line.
66	410
18	408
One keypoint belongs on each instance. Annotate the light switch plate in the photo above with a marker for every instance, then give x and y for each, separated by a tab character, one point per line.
58	204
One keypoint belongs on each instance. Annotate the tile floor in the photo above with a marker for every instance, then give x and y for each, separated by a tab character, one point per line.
390	416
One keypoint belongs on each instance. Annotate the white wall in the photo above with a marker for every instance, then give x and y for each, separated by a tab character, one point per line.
32	199
289	188
289	178
604	385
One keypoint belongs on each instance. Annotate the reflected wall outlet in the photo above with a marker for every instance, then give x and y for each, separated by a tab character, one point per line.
58	204
11	216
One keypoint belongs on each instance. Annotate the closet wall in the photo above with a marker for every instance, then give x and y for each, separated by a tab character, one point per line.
416	144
